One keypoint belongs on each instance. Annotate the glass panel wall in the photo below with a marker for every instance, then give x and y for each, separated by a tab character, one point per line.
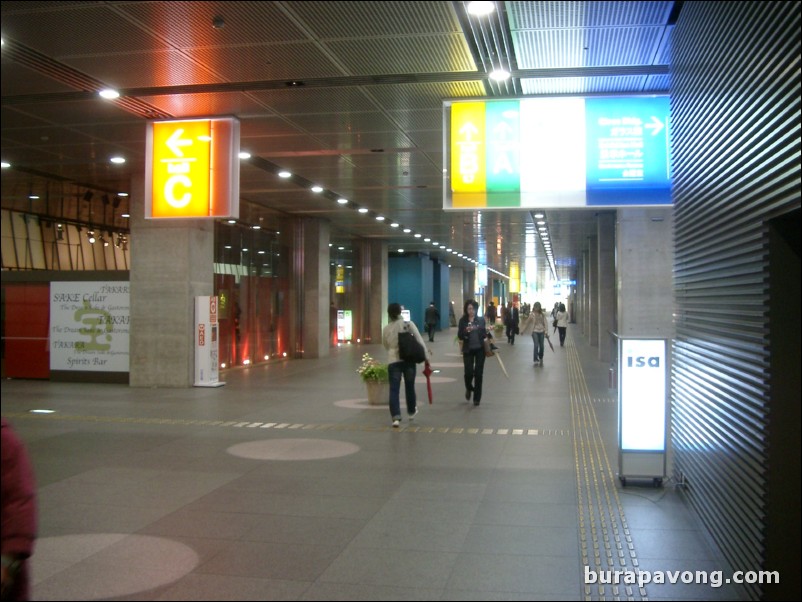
252	268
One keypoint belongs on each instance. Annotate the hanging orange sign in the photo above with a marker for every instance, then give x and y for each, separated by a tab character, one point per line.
192	169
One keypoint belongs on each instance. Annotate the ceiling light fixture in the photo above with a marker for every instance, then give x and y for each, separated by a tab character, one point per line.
109	94
480	8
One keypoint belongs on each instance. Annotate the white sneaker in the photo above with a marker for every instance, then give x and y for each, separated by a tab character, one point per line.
413	414
396	423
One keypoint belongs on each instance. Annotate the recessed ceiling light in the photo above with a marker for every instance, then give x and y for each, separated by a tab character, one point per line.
109	94
317	188
342	201
394	225
362	210
118	160
379	218
480	8
284	174
418	235
499	75
244	155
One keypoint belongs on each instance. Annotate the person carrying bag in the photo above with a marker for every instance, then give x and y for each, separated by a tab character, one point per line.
395	335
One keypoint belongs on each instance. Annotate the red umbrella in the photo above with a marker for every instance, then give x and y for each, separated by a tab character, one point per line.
427	372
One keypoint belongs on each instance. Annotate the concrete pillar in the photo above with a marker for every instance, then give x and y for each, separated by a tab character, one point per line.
172	262
593	288
316	286
605	291
584	318
456	294
373	259
645	246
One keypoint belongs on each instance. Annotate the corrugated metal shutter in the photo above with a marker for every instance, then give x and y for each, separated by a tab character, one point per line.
736	124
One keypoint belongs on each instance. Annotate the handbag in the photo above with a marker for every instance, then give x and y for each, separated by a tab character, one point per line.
488	348
554	323
409	349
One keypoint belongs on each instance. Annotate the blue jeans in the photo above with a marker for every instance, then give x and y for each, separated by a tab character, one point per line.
537	337
407	370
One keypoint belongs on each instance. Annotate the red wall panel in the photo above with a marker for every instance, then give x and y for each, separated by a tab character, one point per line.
27	320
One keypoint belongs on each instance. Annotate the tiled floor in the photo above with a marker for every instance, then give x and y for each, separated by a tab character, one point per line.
285	484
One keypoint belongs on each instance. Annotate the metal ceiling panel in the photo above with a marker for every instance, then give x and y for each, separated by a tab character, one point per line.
423	95
294	101
290	61
379	56
365	75
585	85
191	25
144	69
71	29
572	15
202	105
333	20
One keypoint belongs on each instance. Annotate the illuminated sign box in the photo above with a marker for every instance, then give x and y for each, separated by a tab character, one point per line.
642	403
563	152
192	169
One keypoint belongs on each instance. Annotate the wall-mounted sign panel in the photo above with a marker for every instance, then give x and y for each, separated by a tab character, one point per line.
89	326
557	153
192	169
207	342
345	325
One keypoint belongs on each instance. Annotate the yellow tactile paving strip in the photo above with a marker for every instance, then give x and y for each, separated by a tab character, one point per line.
605	540
456	430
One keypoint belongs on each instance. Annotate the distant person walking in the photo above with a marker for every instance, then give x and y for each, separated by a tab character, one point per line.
472	331
398	368
540	330
490	314
431	319
513	319
562	323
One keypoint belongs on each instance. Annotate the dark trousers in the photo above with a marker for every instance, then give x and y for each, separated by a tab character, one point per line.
430	330
396	371
474	361
511	332
562	330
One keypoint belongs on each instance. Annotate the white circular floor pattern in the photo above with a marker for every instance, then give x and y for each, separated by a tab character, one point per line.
293	449
102	566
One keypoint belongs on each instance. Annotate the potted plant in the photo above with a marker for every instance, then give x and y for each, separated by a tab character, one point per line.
376	378
498	328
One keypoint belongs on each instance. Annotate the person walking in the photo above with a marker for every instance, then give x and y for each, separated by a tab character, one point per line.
540	330
562	323
471	332
398	368
18	515
490	314
513	319
431	320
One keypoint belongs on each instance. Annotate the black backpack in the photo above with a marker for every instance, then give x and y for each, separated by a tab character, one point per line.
409	349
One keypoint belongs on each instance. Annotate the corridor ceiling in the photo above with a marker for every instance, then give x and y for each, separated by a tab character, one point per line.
345	95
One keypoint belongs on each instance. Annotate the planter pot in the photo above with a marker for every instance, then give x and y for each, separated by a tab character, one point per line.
378	392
